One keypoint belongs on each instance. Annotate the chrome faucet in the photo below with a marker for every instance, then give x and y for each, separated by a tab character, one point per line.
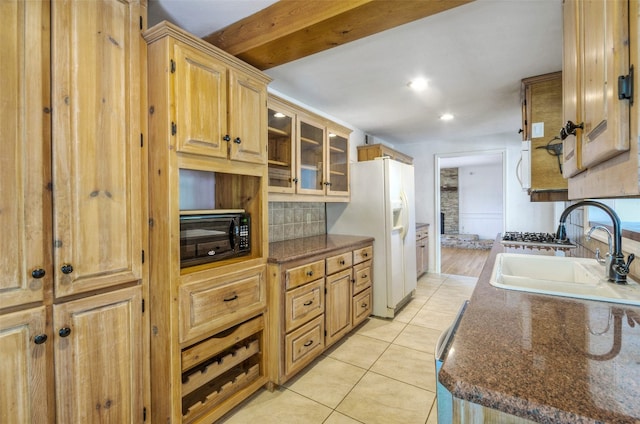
618	268
609	257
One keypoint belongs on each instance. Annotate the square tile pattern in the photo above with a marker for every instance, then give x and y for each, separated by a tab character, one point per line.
381	373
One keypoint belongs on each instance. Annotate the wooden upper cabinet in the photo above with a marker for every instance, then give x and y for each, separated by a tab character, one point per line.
247	118
606	57
597	44
98	353
542	110
216	104
25	171
571	101
201	92
96	52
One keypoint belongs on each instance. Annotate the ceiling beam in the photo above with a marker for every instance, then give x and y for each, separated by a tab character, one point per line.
291	29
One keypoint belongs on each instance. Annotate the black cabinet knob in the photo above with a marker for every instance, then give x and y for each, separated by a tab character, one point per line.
310	273
64	332
40	338
66	269
38	273
237	140
226	137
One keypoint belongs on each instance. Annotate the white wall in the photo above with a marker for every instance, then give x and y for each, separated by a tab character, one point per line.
480	195
520	213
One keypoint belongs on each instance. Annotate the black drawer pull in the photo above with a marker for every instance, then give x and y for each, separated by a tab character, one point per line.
365	254
364	305
342	262
364	276
40	338
38	273
64	332
310	273
67	269
229	299
309	343
308	302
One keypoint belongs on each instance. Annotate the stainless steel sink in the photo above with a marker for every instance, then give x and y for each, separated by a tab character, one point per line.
560	276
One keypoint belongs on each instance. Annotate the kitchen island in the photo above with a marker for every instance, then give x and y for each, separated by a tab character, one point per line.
545	359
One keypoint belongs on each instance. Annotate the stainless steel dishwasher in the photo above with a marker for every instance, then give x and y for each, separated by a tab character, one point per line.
444	397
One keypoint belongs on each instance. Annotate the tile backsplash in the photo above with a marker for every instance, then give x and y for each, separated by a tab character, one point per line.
291	220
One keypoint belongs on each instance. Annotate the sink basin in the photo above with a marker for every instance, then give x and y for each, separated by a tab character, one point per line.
560	276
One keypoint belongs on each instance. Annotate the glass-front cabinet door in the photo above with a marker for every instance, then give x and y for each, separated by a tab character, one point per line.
311	157
282	168
337	163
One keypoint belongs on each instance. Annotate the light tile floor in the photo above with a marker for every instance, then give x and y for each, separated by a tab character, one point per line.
382	372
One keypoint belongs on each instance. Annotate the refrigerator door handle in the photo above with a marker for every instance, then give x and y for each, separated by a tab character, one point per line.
405	214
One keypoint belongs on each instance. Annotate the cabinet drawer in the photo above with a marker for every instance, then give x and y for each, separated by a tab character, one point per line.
303	274
304	344
361	255
362	305
304	303
211	303
339	262
362	276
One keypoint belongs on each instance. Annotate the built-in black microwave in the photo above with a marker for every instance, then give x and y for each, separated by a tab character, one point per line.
209	237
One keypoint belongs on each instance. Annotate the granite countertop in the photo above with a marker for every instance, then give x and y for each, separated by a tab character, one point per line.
545	358
289	250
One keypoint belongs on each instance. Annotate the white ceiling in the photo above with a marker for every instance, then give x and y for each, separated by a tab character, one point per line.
473	56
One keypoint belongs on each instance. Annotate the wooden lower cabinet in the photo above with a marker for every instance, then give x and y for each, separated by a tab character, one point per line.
472	413
314	302
97	353
25	364
422	249
211	355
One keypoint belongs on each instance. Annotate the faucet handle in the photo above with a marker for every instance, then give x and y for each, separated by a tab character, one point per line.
623	268
599	257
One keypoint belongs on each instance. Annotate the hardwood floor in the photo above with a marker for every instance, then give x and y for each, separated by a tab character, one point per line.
467	262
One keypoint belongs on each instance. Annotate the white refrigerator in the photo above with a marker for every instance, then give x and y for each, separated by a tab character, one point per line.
382	206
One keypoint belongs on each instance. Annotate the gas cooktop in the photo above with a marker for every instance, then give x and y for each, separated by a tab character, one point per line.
531	240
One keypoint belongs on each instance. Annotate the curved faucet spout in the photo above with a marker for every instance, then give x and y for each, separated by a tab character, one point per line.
619	269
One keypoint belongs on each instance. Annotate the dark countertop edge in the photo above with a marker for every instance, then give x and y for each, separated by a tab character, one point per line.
509	404
313	245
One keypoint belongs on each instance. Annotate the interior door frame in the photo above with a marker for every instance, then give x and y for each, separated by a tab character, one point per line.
435	247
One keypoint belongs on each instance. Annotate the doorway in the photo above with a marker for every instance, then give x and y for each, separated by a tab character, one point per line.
469	206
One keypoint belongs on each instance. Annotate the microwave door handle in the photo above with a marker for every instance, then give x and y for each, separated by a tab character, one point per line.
232	235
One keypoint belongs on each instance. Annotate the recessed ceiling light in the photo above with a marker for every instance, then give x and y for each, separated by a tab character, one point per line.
446	117
418	84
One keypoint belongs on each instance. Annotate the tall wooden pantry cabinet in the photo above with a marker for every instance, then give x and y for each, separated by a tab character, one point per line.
71	212
208	156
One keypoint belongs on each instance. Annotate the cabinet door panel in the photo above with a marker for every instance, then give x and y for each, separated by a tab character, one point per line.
572	101
338	300
99	363
606	56
281	149
24	368
96	154
310	157
201	91
25	203
248	119
337	163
